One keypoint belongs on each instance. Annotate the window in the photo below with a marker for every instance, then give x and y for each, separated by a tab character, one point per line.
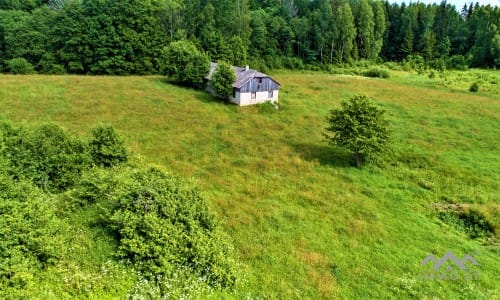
254	95
234	93
270	94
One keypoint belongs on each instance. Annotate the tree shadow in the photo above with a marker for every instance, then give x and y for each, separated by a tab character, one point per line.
325	154
199	93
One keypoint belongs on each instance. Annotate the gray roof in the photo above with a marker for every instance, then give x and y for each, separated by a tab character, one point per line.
243	75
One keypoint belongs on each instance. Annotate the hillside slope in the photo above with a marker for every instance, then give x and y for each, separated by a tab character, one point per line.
305	223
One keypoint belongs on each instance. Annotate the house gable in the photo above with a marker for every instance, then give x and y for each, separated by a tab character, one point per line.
259	84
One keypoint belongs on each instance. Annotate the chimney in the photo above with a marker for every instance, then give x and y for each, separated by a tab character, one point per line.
247	68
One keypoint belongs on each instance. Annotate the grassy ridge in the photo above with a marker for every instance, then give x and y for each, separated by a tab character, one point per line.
306	225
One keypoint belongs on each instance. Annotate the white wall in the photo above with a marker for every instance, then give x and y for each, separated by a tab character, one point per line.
260	97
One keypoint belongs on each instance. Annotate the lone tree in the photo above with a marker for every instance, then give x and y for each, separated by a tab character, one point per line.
359	126
222	80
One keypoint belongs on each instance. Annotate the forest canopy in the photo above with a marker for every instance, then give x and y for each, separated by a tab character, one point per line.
129	36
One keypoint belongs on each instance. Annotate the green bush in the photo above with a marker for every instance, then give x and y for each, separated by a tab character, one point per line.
161	223
457	62
438	64
380	73
474	87
185	63
107	147
293	63
48	65
415	63
46	155
30	236
19	66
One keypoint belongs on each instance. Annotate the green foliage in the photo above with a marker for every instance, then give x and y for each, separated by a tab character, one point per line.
290	184
222	80
474	87
457	62
376	72
19	66
48	65
359	126
46	155
185	63
128	37
293	63
365	30
107	147
344	34
30	235
162	224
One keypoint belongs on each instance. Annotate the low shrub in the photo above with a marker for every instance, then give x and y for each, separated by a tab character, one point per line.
393	66
293	63
20	66
375	72
415	63
474	87
457	62
55	69
438	64
107	147
47	155
30	235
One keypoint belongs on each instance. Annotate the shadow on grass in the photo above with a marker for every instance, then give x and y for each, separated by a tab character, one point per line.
200	93
324	154
207	98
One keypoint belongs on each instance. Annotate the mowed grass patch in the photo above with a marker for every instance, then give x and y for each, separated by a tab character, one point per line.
305	223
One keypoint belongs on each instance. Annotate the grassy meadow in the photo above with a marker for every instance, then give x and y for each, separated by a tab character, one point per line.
304	223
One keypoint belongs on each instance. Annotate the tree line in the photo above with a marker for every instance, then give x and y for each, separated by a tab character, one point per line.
130	36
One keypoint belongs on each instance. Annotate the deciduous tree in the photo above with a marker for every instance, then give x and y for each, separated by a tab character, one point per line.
359	126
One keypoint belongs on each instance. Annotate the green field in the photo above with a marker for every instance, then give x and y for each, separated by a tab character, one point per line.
304	223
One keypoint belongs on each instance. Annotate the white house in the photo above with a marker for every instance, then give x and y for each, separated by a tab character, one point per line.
251	86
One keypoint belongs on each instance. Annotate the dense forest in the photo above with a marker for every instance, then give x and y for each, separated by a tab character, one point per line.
130	36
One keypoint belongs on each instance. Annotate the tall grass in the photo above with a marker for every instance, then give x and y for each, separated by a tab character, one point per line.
305	223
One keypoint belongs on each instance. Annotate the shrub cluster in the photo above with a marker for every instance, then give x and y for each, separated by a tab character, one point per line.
19	65
30	235
375	72
47	155
162	225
